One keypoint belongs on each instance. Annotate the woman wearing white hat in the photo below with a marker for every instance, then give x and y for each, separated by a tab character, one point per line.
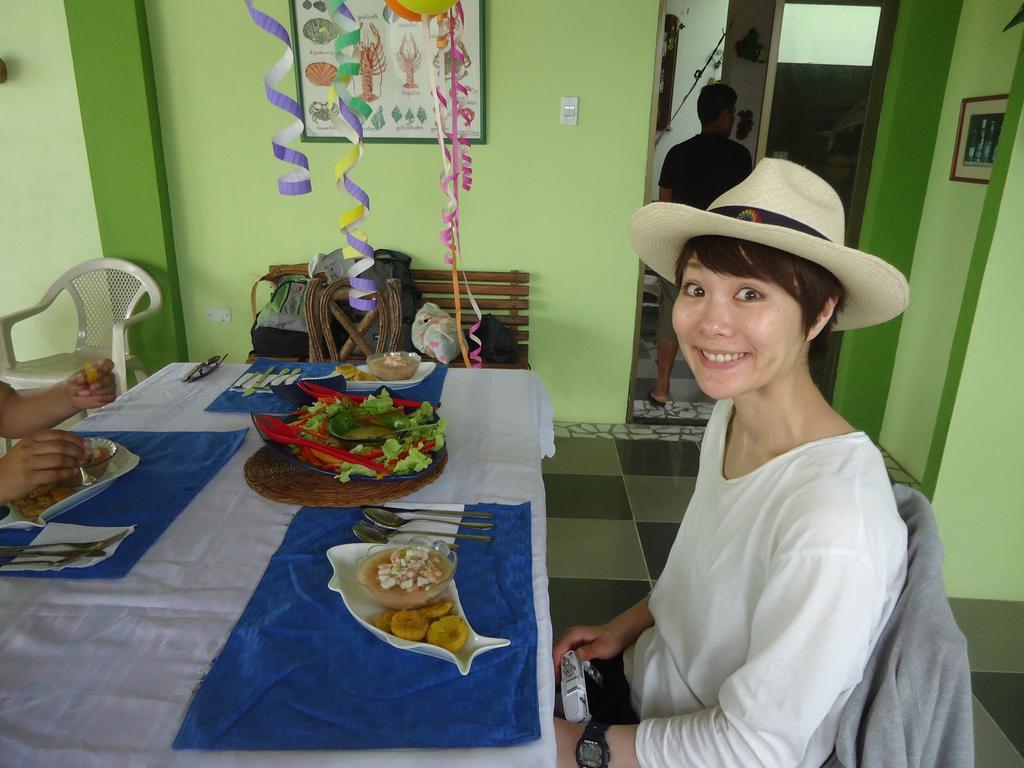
791	553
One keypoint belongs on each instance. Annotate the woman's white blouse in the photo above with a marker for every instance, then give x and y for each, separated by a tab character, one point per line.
776	588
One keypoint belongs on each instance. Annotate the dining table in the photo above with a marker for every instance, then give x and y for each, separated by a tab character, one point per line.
101	671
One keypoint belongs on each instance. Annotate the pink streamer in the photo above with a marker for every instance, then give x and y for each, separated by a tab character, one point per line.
461	164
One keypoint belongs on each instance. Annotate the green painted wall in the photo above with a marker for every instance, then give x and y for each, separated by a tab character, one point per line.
47	214
916	83
116	92
979	498
983	63
550	199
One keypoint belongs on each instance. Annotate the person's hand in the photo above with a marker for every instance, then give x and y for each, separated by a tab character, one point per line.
93	386
45	457
589	643
566	736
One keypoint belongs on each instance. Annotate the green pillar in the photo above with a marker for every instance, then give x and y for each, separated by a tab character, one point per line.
117	95
914	90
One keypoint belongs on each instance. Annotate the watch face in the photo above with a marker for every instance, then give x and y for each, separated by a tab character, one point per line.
590	754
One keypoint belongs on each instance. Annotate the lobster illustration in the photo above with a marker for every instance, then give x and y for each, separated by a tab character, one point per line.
371	60
409	59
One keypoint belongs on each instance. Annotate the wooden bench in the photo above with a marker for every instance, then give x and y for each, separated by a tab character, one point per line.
506	295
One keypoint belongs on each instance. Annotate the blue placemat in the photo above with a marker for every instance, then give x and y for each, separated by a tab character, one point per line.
231	400
173	468
298	672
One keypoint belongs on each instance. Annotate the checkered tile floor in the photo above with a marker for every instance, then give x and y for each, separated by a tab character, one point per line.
614	506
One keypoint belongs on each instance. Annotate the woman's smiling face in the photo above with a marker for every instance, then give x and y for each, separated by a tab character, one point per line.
738	334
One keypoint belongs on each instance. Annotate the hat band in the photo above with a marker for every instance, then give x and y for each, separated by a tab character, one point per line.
761	216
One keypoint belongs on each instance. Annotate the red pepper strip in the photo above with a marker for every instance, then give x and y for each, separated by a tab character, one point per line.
324	393
321	393
283	433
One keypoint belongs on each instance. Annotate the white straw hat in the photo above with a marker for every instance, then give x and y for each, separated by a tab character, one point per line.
785	206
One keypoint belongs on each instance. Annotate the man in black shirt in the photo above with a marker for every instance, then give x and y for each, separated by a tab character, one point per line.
694	173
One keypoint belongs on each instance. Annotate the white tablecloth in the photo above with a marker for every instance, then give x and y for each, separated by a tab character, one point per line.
100	673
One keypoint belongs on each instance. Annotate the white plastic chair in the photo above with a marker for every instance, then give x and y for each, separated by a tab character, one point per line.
105	292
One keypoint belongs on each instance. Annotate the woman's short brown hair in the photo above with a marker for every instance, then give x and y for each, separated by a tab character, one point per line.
809	284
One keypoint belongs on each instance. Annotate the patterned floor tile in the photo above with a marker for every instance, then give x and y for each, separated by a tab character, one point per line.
994	631
659	499
658	457
594	549
583	457
658	431
1001	695
586	496
992	748
591	601
656	540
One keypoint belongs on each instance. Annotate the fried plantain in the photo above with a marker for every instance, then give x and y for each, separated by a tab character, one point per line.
382	621
409	625
448	632
435	610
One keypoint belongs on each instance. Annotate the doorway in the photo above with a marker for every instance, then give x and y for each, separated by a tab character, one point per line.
821	96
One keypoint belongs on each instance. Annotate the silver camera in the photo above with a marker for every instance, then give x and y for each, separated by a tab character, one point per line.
574	689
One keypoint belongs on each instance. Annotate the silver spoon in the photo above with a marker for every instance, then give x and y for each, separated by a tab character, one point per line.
435	512
387	519
372	535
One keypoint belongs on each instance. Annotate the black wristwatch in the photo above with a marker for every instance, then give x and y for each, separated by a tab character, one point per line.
592	750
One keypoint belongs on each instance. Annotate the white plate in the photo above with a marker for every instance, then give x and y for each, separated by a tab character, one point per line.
344	557
424	370
121	463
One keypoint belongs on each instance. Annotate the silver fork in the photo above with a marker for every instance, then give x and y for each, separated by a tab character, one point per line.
67	547
57	561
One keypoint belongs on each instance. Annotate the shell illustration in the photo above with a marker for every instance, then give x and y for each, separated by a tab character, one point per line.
319	30
321	73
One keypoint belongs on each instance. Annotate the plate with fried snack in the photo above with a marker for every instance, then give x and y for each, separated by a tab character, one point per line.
48	501
439	628
359	379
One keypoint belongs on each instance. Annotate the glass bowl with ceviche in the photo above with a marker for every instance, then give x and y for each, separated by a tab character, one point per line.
406	576
371	438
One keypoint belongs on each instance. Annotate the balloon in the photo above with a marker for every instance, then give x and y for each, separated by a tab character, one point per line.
429	7
401	10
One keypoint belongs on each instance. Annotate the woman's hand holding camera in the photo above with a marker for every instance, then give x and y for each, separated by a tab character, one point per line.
605	641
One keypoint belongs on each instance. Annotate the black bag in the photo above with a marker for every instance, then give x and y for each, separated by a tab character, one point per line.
278	330
388	264
496	342
275	342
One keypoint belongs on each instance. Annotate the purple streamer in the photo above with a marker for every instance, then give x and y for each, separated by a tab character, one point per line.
280	100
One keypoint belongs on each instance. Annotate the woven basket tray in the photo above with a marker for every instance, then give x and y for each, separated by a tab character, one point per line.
280	480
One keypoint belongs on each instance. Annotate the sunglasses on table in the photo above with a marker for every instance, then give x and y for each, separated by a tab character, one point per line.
205	368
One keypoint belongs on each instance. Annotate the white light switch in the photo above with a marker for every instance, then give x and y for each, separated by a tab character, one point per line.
570	110
218	315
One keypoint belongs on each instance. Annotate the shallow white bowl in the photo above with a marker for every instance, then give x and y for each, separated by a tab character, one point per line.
343	559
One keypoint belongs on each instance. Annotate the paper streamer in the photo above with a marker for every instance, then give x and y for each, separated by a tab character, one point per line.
449	213
462	164
453	111
295	182
352	111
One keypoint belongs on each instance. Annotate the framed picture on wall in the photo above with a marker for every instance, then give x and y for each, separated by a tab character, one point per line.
395	61
977	138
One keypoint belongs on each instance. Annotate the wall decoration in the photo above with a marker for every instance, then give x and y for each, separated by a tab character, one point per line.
977	138
394	59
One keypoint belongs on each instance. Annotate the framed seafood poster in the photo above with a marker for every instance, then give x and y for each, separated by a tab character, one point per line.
395	60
